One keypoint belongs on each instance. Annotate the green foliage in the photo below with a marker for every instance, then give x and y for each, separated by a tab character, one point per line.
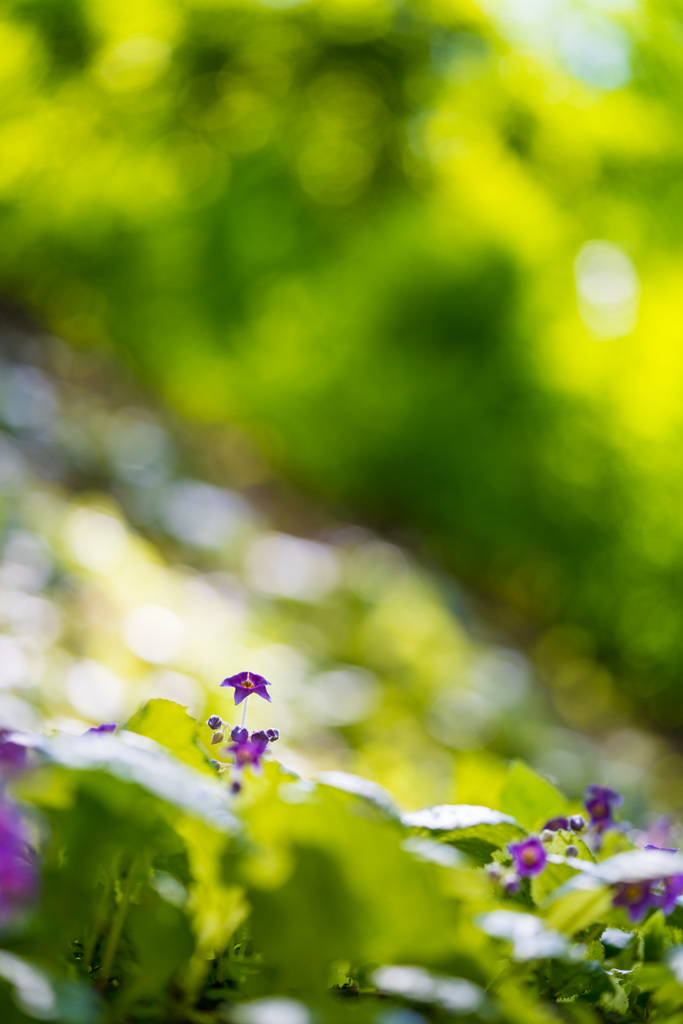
531	798
351	230
317	892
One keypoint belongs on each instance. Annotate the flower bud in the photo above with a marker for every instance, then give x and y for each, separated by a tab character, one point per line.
546	835
273	734
215	722
236	787
239	735
259	737
511	884
215	764
571	851
217	737
576	823
495	871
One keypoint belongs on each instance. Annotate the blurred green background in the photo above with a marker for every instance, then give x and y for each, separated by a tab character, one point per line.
419	260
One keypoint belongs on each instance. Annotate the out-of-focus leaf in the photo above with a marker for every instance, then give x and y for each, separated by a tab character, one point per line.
475	830
399	899
438	853
355	784
135	758
573	911
454	995
162	945
528	935
33	991
530	798
616	938
216	903
172	727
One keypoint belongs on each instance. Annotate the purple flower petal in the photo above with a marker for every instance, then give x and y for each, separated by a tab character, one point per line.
107	727
636	898
246	683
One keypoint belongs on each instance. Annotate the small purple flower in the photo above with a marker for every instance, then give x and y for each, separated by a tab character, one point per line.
273	734
13	756
18	878
215	722
248	752
636	898
246	683
260	737
107	727
512	884
600	802
528	857
576	823
555	824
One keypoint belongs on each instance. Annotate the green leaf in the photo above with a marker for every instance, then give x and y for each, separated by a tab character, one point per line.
135	758
473	829
172	727
532	798
364	788
576	910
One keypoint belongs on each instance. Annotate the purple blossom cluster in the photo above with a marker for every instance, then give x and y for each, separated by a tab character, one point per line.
246	749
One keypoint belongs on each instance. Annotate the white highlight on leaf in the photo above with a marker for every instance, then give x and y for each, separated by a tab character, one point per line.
452	817
455	995
33	993
271	1011
530	939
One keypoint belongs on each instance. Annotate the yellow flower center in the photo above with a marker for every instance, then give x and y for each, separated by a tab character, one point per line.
529	857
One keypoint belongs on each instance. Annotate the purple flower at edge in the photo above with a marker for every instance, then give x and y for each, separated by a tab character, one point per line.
528	857
18	877
636	898
671	888
13	756
246	683
106	727
600	802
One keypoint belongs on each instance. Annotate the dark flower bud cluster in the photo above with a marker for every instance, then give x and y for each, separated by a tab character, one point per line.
217	725
573	824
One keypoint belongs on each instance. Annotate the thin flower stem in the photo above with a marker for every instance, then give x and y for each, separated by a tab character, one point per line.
117	923
244	710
